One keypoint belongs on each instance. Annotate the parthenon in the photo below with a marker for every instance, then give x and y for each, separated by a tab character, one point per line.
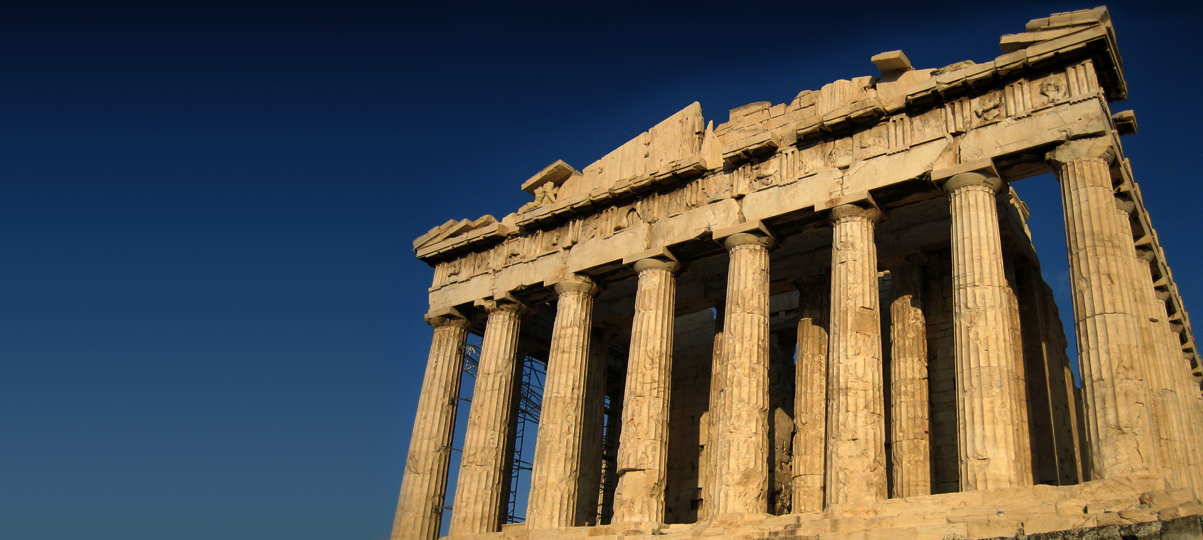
826	319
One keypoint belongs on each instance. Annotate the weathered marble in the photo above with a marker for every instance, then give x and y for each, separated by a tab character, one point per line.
856	461
991	454
1119	423
556	475
420	507
810	394
964	418
743	436
482	479
643	448
909	404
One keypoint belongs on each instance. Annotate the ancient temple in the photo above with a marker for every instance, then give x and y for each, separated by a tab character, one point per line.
826	319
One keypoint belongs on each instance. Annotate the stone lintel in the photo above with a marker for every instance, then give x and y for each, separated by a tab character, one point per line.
556	173
892	62
1125	122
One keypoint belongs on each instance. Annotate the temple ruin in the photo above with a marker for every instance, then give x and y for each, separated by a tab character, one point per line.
826	319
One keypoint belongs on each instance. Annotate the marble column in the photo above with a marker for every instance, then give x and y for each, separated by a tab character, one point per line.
483	466
989	446
1172	413
643	448
1172	458
856	461
909	445
556	471
708	473
420	507
591	448
1118	421
743	437
810	394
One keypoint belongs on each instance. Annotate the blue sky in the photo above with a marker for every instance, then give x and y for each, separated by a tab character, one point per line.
210	316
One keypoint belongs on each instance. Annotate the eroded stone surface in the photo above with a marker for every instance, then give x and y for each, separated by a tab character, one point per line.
947	374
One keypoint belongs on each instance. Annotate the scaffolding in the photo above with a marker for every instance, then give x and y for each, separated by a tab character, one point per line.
530	403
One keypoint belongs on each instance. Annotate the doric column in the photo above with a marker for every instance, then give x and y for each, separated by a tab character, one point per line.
1171	413
708	466
591	448
420	507
1118	421
556	472
810	394
908	381
1172	457
989	445
856	461
482	478
643	448
743	439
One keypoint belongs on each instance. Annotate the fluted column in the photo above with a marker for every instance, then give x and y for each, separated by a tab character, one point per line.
856	461
810	394
908	382
556	472
1172	414
743	439
1118	421
420	506
990	450
591	448
643	448
708	472
482	478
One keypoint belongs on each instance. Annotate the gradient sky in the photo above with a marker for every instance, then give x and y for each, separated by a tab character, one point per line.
210	314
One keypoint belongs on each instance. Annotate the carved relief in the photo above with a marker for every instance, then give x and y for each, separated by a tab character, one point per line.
988	109
544	195
928	126
1051	89
871	142
839	153
809	159
717	187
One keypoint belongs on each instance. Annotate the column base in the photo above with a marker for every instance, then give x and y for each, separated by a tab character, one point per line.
1142	507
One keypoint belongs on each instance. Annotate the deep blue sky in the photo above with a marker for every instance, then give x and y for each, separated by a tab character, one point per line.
210	316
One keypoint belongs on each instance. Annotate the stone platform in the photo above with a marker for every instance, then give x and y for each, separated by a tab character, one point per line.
1125	508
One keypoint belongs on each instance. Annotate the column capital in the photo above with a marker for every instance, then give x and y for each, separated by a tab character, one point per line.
744	234
653	259
1125	207
1097	148
447	317
967	179
846	212
503	302
576	283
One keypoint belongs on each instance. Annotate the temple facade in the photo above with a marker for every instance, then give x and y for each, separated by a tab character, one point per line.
826	319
